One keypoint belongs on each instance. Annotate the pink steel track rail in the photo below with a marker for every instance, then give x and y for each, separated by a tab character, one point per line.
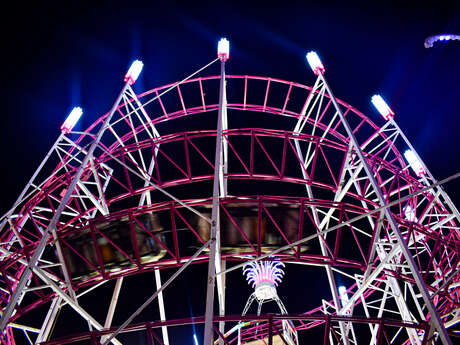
263	156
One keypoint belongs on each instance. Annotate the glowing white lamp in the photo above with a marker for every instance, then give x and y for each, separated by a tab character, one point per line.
443	37
315	63
195	339
409	213
71	120
382	107
414	163
343	295
133	72
223	49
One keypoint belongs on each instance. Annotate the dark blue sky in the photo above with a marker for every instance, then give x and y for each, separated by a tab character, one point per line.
60	57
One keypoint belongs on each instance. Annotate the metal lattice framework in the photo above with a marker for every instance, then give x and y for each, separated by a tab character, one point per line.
291	172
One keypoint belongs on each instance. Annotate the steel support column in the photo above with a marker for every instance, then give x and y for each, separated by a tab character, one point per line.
330	276
161	307
214	252
52	225
113	305
49	320
435	318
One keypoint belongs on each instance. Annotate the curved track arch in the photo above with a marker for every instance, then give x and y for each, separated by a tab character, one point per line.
282	137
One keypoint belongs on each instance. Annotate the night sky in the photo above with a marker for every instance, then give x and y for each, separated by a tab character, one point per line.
58	57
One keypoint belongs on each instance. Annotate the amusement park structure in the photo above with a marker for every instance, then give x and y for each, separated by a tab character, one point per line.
291	176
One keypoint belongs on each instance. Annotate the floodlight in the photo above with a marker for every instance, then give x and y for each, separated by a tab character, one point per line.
133	72
382	107
315	63
414	163
71	120
223	49
343	295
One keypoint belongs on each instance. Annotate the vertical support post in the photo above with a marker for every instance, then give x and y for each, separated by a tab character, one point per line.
223	183
161	306
379	333
270	329
49	320
326	330
214	252
149	335
435	318
221	292
330	275
52	225
113	304
224	156
94	340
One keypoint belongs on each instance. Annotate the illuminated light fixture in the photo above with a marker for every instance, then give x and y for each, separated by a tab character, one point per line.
409	213
266	271
223	49
443	37
315	63
71	120
382	107
264	277
414	163
133	72
343	295
195	339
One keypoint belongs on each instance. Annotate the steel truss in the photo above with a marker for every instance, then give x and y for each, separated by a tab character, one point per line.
334	164
266	324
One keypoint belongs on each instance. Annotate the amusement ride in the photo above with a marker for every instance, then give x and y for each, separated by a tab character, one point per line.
291	176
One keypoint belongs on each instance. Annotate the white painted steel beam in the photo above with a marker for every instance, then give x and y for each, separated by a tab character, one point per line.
306	112
52	224
155	295
112	306
48	323
435	318
161	306
214	253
